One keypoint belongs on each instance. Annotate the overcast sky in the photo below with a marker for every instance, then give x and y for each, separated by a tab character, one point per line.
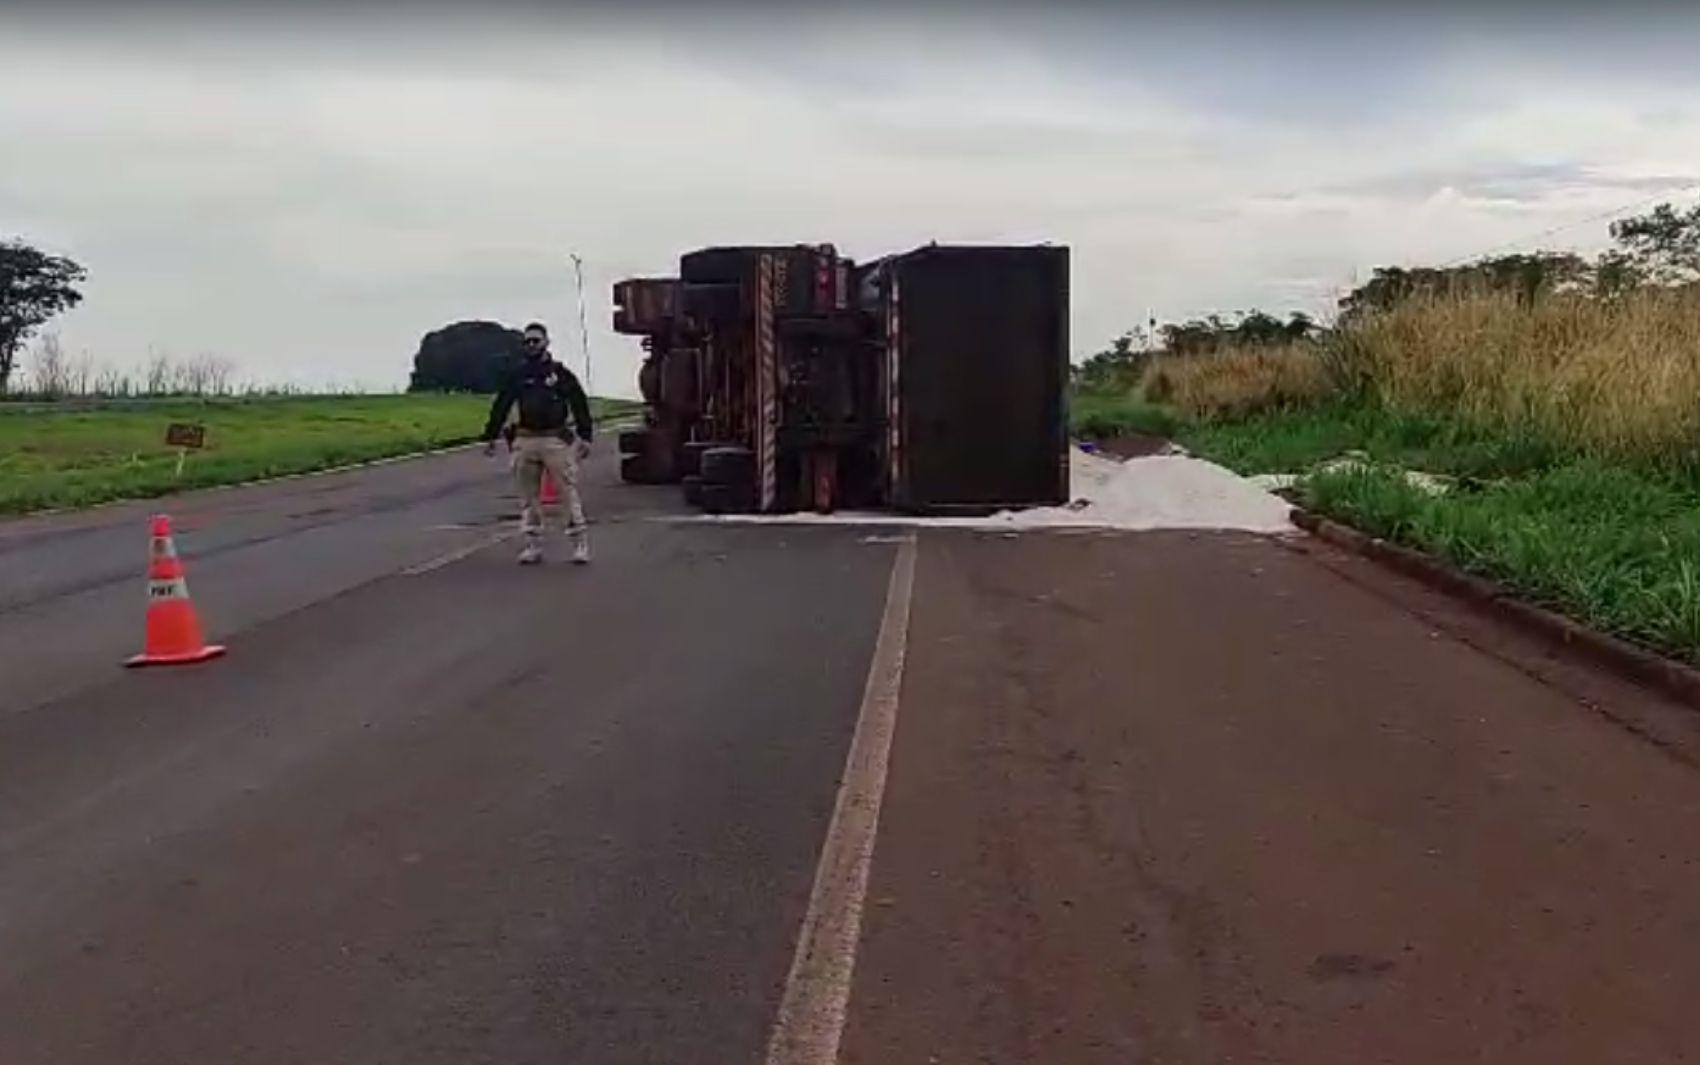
308	193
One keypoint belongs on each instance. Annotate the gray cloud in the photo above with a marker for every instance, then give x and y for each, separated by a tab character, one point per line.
1507	182
310	190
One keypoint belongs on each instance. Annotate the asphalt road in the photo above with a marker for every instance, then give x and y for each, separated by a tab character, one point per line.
471	812
1152	798
1204	799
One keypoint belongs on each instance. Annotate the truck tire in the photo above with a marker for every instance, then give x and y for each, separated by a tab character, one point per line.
729	466
690	456
692	486
634	442
634	470
728	498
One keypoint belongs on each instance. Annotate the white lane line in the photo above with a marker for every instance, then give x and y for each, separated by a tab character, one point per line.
817	990
458	553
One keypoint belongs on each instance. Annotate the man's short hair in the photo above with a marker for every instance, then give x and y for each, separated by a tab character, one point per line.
537	327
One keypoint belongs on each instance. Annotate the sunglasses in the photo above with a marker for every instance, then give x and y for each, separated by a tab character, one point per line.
534	342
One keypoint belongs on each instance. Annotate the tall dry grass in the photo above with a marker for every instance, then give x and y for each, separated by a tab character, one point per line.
1240	382
1618	380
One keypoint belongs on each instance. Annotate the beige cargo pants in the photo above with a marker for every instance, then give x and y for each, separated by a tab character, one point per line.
533	456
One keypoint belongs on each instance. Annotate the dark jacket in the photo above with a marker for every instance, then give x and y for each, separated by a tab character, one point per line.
546	393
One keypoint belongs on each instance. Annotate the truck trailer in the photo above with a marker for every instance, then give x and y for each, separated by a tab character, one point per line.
779	378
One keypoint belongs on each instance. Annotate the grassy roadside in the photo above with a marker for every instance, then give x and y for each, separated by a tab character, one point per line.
1565	432
78	458
1100	416
1610	545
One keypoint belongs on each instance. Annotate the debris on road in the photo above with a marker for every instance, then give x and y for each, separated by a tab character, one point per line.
1161	492
1155	492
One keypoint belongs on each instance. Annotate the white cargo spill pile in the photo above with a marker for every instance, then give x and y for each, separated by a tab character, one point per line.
1158	492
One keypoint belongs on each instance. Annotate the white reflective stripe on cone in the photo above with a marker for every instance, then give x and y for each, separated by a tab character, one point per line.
162	547
177	588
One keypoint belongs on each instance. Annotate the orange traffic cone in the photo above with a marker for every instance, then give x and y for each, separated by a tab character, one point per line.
174	630
551	493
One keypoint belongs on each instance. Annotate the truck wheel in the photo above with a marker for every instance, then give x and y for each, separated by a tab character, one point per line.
634	442
729	466
728	498
634	470
692	486
690	456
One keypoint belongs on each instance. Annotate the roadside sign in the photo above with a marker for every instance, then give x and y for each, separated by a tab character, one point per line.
186	435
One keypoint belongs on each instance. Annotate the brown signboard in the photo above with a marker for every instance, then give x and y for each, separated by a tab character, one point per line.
185	434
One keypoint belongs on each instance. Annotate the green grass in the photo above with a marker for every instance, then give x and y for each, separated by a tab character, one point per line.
1102	416
77	458
1292	442
1613	546
1615	549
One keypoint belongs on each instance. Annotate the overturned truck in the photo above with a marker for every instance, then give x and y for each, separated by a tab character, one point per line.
783	378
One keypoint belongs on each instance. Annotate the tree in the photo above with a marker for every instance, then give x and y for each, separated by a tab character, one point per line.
35	287
1199	336
1616	272
470	356
1203	336
1116	366
1662	245
1257	328
1530	276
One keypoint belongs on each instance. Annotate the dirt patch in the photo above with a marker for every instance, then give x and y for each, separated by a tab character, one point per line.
1132	445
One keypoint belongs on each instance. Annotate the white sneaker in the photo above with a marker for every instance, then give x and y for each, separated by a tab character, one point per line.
530	555
581	549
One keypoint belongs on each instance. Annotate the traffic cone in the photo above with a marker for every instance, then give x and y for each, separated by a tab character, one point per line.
173	629
551	493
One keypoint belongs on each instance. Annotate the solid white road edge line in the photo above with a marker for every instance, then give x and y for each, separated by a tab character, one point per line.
817	990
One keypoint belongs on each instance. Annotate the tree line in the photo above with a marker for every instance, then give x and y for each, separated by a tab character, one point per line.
1659	248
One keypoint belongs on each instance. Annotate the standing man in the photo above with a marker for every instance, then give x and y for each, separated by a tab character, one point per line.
545	393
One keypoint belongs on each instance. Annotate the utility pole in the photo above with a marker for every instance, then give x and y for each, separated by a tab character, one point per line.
583	331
